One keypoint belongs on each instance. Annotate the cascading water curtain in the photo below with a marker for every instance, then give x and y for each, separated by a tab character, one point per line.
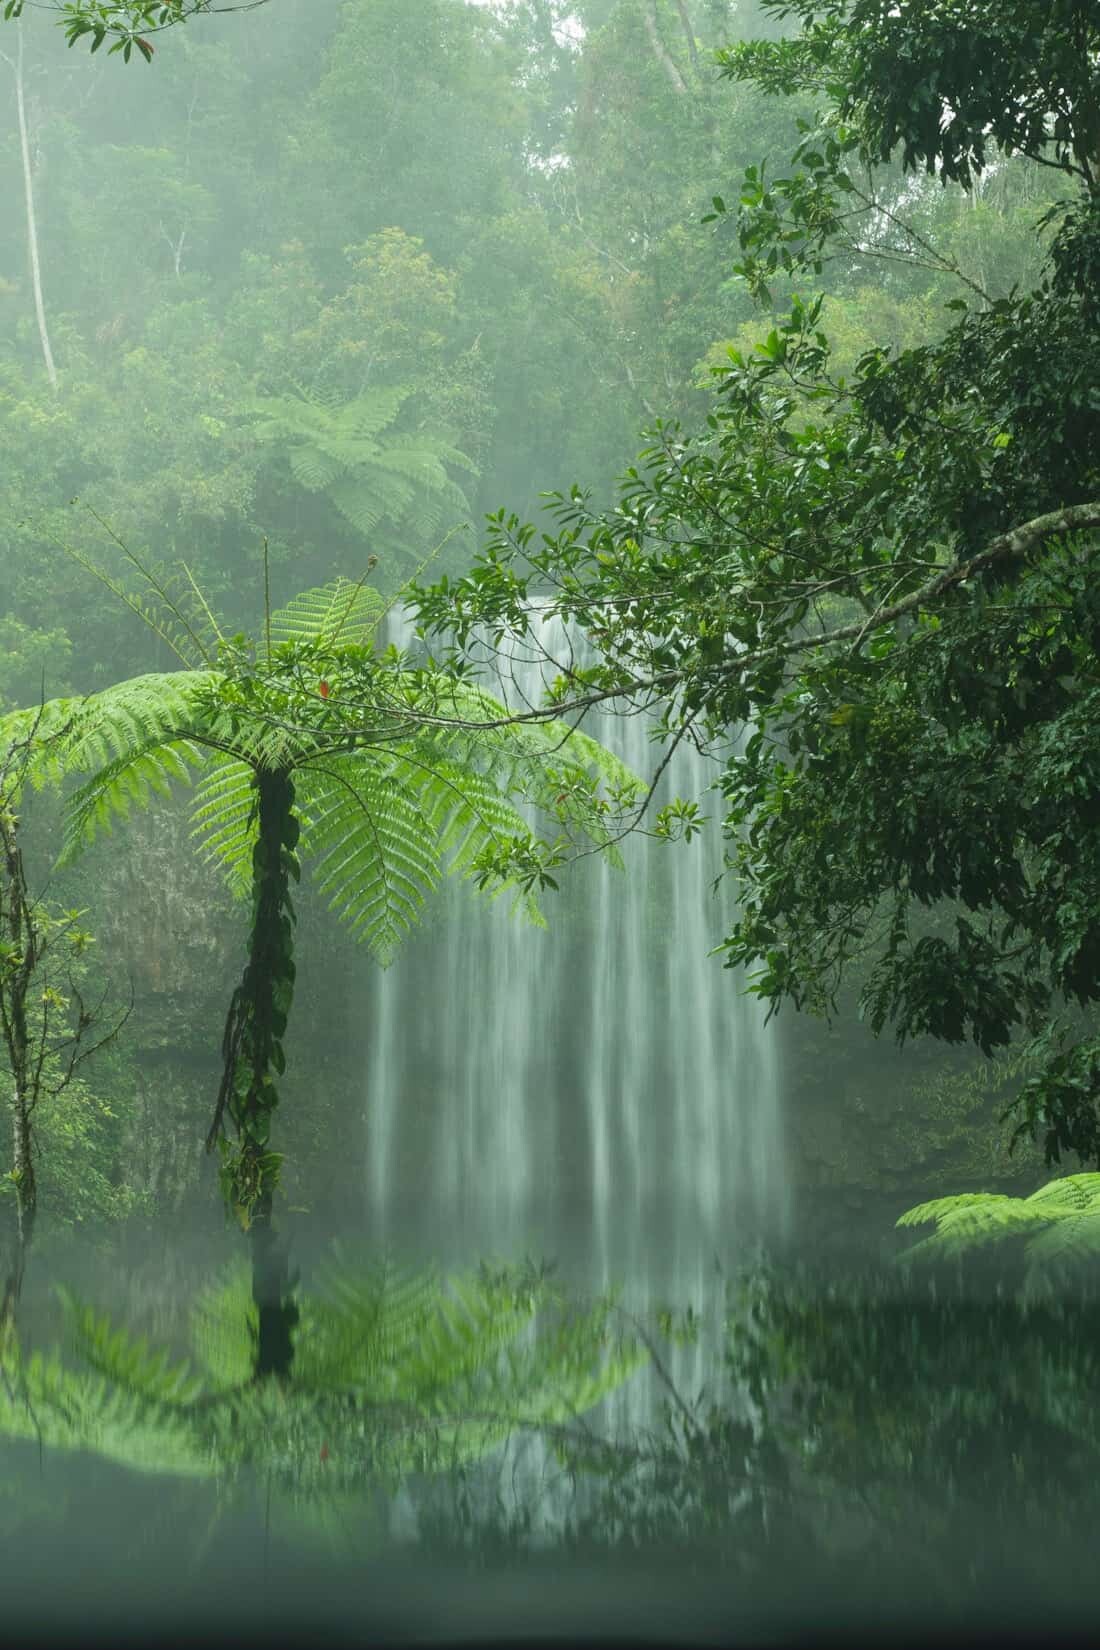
602	1091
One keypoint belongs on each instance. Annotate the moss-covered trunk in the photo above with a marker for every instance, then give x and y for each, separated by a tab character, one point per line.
252	1050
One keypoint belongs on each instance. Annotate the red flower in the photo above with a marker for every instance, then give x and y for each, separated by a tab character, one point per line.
324	1452
323	690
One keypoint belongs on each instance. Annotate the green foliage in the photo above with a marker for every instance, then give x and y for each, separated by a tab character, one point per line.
889	576
1059	1226
126	23
1018	77
391	774
931	1424
394	1371
378	478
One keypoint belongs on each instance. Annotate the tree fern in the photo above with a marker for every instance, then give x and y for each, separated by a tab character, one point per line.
389	779
395	1370
338	613
1059	1225
126	1361
373	475
374	860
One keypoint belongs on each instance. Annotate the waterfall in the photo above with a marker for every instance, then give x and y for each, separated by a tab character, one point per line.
602	1090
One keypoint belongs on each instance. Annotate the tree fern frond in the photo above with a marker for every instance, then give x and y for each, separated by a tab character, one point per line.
82	1410
120	785
371	413
1073	1238
423	441
224	820
365	499
341	612
464	811
133	715
375	862
359	1322
362	506
224	1327
938	1207
472	1326
1068	1192
34	742
314	468
972	1222
127	1361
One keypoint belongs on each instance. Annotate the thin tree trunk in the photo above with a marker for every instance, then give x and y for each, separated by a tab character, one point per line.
660	50
689	35
32	228
20	936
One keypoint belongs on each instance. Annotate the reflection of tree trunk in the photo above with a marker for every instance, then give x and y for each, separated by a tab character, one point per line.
32	229
271	1286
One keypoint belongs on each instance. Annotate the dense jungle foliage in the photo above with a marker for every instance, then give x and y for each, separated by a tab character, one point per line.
330	331
228	338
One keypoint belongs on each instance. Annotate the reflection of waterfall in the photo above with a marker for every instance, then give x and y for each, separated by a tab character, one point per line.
602	1090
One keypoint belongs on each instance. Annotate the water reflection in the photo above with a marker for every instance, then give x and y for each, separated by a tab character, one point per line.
858	1446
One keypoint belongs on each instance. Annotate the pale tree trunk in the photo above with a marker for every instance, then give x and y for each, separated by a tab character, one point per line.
689	35
660	50
28	193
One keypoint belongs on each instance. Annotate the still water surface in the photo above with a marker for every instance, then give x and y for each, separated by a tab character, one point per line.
499	1452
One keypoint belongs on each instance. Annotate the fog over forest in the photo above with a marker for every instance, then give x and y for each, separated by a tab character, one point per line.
550	892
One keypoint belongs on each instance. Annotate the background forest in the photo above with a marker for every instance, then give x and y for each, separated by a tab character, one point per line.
482	232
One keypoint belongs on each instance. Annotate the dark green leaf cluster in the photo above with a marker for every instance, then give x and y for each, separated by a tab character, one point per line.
892	578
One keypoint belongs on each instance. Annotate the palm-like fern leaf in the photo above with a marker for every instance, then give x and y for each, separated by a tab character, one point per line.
1061	1223
371	473
374	859
120	785
224	820
224	1326
127	1361
342	613
134	715
84	1410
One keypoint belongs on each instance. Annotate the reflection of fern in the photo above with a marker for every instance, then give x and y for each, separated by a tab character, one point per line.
375	476
394	1372
1059	1225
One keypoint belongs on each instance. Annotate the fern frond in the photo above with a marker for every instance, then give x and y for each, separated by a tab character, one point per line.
374	859
422	441
365	500
120	785
1071	1239
1068	1192
341	612
127	1361
369	414
359	1322
314	468
83	1410
224	1327
33	745
941	1206
968	1222
224	820
130	717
